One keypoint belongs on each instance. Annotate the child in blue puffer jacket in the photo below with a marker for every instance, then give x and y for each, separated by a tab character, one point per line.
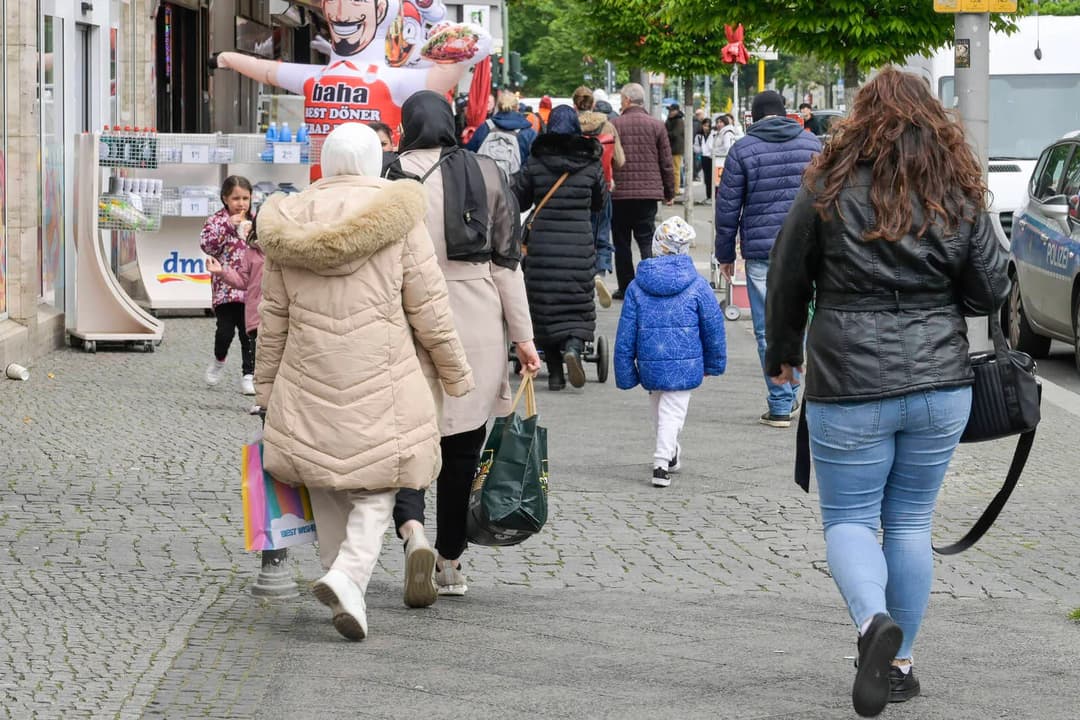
671	335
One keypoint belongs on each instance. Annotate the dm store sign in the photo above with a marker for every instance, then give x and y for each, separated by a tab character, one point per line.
173	272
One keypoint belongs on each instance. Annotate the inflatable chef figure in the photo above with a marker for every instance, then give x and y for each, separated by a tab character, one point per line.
379	56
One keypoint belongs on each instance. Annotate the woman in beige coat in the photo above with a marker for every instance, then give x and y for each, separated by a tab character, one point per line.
351	282
473	218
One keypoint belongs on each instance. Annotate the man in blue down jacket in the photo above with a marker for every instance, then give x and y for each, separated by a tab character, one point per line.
762	174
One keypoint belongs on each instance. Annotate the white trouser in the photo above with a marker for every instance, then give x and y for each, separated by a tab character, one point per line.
669	413
351	524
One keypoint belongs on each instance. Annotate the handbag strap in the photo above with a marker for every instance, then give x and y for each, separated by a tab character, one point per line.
558	183
802	452
528	391
1020	456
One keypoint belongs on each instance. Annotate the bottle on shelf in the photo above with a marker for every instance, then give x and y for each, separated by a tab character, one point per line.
267	154
284	135
305	142
104	146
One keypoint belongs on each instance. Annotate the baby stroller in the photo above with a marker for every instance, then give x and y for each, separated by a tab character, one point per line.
597	352
723	286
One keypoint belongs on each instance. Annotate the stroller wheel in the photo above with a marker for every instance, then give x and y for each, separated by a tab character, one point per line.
602	359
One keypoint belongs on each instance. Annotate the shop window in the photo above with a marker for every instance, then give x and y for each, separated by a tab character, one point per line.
51	225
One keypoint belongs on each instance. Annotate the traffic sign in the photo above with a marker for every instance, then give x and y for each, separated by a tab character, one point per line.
975	6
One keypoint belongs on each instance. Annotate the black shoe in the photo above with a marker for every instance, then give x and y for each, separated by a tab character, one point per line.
674	465
618	295
574	369
556	382
877	648
902	687
660	477
777	421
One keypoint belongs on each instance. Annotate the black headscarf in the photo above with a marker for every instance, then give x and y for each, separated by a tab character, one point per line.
427	122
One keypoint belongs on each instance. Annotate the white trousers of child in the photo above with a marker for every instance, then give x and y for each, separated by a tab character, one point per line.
351	525
669	413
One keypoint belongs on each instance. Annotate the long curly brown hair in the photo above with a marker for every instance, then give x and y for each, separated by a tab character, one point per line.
917	149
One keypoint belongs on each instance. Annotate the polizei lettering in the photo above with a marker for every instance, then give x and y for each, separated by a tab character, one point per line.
339	93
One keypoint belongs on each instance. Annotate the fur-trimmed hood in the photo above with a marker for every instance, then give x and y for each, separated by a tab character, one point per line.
335	225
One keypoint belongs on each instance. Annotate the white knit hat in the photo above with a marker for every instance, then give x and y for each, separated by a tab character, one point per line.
673	237
352	149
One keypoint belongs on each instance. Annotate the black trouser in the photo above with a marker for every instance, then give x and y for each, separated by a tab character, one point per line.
706	168
631	218
460	458
553	354
230	322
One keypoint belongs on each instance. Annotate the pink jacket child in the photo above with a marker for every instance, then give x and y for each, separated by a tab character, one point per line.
221	241
246	276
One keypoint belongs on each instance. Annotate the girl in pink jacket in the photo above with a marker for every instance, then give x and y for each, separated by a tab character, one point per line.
245	275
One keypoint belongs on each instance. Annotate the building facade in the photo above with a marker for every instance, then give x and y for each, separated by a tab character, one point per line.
72	66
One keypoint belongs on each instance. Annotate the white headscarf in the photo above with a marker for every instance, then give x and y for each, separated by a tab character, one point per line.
352	149
673	237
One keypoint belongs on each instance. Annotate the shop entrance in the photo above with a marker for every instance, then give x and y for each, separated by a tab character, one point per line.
181	77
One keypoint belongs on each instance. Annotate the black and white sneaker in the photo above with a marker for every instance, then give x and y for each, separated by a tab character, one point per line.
660	477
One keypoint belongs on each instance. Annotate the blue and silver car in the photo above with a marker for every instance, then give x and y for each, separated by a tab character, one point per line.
1044	304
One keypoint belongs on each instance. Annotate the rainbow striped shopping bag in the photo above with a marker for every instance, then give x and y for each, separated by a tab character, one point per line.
276	515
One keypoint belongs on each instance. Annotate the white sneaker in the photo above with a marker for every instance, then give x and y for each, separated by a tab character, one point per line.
419	563
213	372
603	295
247	385
338	592
450	580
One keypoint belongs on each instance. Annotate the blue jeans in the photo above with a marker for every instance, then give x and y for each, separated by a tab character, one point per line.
781	397
878	463
601	228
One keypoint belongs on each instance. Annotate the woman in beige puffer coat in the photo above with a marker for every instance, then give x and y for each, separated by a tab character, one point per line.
350	283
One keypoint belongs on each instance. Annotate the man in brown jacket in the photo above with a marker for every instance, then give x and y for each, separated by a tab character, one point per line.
646	177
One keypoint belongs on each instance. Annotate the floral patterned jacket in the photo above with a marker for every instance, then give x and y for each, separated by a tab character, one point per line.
220	240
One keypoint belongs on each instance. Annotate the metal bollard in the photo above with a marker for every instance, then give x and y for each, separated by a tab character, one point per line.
275	580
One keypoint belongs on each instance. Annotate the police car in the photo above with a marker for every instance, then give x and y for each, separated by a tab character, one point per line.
1044	303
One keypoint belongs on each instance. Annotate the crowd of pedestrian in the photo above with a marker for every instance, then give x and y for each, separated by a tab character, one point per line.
385	296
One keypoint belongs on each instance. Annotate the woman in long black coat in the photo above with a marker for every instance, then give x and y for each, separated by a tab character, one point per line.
560	265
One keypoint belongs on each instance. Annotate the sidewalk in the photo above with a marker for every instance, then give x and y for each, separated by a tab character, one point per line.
126	585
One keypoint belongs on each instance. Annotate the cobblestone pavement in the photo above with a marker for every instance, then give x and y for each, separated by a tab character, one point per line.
126	584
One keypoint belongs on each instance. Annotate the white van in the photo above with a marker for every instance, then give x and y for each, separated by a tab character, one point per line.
1033	102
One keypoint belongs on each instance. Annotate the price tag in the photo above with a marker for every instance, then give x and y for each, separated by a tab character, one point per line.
194	206
195	154
287	153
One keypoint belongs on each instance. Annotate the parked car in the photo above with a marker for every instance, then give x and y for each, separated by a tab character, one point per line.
824	120
1044	304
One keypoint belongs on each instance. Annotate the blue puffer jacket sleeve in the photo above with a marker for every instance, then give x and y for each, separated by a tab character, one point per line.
626	345
713	332
729	204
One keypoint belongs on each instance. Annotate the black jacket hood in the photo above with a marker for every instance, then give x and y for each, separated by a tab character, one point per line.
776	129
565	153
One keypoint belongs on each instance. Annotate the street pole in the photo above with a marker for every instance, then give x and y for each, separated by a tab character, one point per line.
972	72
708	96
688	149
506	43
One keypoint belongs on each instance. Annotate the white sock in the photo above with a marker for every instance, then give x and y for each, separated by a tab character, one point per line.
905	668
865	626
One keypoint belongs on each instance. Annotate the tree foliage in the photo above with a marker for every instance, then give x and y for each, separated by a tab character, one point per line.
550	43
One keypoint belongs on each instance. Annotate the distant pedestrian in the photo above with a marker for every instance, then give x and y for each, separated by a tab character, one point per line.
596	125
806	112
506	137
386	136
676	132
601	104
701	144
544	110
560	267
246	276
351	289
892	275
699	119
222	239
671	335
646	178
762	174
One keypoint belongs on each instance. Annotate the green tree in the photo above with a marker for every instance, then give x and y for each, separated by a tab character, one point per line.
856	35
550	44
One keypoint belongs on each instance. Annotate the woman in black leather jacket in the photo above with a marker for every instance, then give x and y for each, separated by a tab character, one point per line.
889	236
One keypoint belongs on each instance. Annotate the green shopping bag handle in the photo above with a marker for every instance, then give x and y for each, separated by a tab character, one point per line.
526	388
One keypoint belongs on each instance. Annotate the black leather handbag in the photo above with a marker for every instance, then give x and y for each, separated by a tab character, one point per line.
1005	400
